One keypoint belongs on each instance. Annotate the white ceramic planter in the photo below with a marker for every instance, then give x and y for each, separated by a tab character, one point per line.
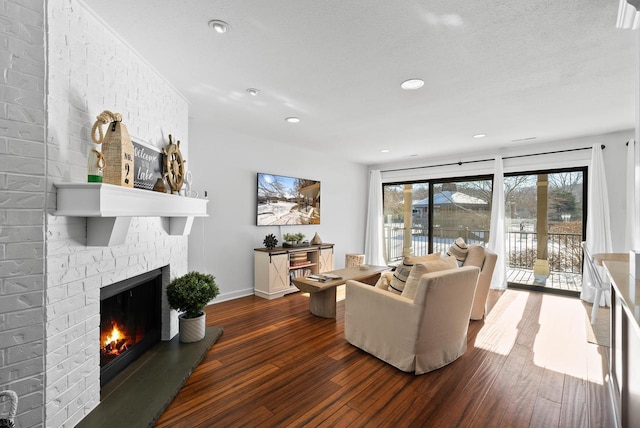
192	329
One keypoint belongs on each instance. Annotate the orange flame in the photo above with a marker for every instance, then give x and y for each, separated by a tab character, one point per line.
113	337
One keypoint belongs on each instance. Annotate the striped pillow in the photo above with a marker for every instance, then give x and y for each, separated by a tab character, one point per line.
419	269
458	250
400	275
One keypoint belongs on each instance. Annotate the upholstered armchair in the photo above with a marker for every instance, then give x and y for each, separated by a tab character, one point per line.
485	259
415	335
473	255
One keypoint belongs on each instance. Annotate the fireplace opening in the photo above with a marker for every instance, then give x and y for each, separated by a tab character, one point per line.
130	321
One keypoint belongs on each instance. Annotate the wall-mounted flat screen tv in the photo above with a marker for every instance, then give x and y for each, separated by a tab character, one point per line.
287	200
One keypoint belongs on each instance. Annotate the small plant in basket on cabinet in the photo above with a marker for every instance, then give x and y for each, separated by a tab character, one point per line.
190	293
293	239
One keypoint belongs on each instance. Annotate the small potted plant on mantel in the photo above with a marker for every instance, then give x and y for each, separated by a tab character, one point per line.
189	294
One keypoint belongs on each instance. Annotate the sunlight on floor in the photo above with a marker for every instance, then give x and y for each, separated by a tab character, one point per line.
559	335
561	344
502	340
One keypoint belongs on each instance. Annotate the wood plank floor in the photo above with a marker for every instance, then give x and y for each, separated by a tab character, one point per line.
528	365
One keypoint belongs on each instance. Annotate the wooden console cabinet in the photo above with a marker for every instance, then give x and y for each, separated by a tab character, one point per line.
274	269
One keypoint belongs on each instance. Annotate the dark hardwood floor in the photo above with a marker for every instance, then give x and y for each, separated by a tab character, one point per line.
527	365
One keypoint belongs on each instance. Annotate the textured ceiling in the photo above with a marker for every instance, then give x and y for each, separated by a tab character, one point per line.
511	70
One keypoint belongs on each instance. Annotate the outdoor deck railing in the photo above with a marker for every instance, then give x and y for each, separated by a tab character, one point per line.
564	250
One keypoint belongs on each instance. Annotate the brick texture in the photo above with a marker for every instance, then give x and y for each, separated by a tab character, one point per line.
49	279
22	204
91	70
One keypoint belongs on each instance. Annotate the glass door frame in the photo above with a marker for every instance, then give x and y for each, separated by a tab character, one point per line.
432	182
585	186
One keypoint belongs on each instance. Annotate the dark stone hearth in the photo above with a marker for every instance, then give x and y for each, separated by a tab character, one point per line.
138	395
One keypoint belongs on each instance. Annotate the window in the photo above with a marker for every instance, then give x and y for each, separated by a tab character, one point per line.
460	207
406	219
543	236
544	216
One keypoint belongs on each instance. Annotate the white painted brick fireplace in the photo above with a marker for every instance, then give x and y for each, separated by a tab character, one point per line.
50	279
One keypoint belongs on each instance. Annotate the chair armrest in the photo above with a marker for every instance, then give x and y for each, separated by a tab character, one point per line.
484	284
394	319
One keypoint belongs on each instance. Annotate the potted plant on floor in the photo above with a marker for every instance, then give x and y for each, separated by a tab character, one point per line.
189	294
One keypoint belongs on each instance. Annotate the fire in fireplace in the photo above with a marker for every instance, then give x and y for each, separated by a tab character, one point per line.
130	321
114	342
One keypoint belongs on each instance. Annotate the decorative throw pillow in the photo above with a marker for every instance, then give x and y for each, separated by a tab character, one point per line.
475	256
400	275
459	250
383	281
419	269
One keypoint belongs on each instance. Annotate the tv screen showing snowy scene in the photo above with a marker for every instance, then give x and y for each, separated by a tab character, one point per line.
287	200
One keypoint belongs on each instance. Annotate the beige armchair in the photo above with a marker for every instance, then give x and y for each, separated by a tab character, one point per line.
485	259
418	335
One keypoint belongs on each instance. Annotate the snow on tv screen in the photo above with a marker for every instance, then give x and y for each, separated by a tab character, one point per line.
287	200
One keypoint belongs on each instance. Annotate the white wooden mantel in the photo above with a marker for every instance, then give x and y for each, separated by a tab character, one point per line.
109	209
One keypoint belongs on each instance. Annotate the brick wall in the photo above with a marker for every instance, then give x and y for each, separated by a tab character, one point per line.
22	202
91	70
49	280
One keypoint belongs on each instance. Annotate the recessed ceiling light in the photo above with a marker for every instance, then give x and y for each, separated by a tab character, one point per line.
479	135
219	27
384	151
253	91
412	84
293	119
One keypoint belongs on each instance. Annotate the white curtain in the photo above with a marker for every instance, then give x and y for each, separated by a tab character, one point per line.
598	220
496	234
630	197
374	233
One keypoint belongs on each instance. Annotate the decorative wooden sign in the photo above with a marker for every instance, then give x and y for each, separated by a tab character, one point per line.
148	165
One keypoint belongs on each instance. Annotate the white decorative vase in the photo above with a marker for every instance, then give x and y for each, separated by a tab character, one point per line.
191	329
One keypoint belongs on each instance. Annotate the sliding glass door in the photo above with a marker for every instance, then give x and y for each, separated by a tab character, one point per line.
406	219
544	222
425	217
461	208
544	228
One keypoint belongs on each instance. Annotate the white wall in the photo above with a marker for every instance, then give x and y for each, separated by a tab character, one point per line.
614	158
225	164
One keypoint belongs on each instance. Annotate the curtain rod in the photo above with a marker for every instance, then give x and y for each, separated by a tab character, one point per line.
489	160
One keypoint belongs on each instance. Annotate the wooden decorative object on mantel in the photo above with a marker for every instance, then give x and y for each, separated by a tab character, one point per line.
159	186
174	166
117	149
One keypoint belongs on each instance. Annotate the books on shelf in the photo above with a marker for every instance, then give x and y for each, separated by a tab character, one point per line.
301	263
298	257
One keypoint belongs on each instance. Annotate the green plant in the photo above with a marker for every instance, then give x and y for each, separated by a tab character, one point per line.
293	237
191	292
